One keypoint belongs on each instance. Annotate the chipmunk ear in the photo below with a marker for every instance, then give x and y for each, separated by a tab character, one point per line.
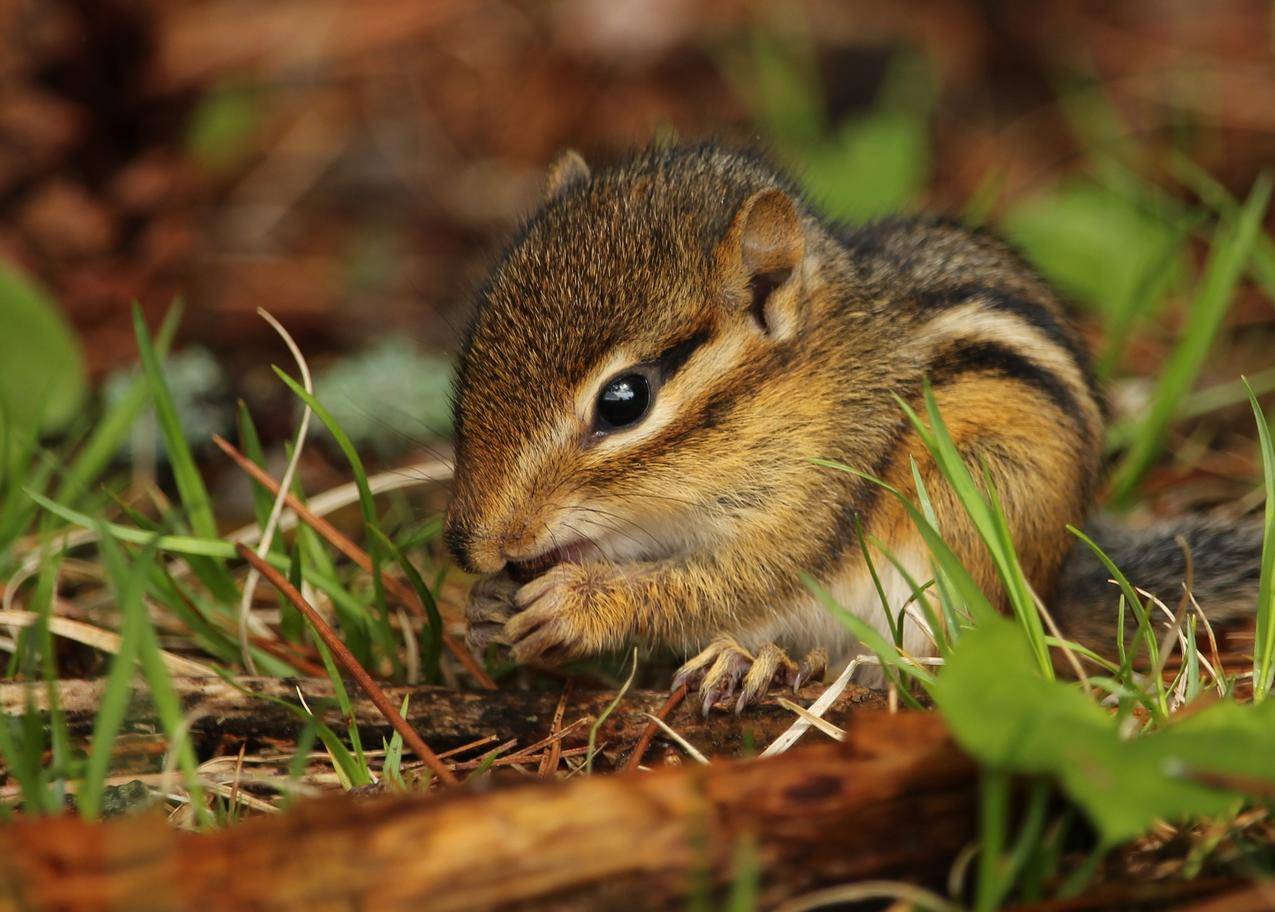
762	251
568	169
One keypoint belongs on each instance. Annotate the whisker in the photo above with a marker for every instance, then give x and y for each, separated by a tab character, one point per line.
614	529
619	523
603	555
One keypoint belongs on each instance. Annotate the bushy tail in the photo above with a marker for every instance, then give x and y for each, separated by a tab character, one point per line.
1225	564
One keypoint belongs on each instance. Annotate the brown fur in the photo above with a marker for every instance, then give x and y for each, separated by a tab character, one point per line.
707	513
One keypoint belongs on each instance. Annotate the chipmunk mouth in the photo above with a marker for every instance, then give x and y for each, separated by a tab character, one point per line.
524	571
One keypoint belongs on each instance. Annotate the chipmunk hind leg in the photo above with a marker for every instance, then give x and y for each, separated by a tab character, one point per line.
725	670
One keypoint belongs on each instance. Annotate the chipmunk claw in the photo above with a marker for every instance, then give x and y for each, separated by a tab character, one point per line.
563	614
490	606
725	670
716	670
770	665
813	666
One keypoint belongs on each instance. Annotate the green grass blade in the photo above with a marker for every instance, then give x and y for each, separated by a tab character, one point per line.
948	601
42	639
128	586
1145	633
1231	252
434	645
974	599
190	485
1264	640
366	502
250	444
988	519
896	627
113	428
380	628
347	769
936	631
358	770
392	765
172	719
868	635
602	717
1216	197
187	545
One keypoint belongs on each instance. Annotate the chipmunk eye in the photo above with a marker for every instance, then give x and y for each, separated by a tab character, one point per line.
623	402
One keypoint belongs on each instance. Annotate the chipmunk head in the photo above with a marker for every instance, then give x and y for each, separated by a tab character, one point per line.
613	375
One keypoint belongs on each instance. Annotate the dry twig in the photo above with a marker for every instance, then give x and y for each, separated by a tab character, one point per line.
674	699
351	665
336	539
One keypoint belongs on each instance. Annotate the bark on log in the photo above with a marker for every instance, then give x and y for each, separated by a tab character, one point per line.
1203	894
895	800
444	718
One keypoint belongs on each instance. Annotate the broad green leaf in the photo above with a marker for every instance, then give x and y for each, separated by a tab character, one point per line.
1008	717
42	373
871	166
1093	243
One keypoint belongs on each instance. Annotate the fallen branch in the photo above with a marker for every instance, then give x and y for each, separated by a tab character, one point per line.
445	718
817	815
351	665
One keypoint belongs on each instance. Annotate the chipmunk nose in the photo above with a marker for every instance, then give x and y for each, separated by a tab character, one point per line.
478	550
465	535
460	542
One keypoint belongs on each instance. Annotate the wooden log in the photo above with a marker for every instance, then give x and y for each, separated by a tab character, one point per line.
444	718
1202	894
895	800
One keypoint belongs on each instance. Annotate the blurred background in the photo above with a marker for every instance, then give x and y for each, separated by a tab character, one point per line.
354	166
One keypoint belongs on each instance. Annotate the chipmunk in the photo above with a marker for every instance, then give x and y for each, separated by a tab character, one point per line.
659	358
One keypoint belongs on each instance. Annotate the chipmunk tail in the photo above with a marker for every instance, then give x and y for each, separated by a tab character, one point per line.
1220	561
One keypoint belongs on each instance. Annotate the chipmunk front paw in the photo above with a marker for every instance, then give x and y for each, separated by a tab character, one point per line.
570	611
490	606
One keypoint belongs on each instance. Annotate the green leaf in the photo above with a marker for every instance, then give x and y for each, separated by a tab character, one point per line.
221	127
1093	243
42	374
1007	716
872	166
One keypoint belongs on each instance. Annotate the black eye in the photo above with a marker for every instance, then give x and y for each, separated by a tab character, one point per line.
623	402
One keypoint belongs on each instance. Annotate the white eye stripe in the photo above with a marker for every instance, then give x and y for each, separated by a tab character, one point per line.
562	437
709	361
